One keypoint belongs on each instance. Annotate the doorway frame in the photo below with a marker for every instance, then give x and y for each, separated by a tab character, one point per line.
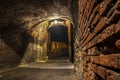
66	23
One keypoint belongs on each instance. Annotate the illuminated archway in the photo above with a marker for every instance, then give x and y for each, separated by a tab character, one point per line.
41	36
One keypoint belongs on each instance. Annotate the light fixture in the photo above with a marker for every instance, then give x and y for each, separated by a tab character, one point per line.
55	21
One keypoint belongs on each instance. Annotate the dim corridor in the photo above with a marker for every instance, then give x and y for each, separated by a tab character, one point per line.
87	32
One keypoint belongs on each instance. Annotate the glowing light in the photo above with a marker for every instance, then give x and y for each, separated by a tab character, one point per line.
56	21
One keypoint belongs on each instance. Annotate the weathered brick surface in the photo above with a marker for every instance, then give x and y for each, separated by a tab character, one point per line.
111	30
106	60
99	26
104	72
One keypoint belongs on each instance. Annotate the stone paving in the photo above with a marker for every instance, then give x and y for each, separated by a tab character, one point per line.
34	71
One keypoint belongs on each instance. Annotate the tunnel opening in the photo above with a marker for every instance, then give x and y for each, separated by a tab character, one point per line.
58	42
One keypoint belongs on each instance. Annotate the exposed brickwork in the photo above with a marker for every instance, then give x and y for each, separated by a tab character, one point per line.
98	40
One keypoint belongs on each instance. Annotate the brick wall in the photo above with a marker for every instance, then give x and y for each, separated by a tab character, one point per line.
97	40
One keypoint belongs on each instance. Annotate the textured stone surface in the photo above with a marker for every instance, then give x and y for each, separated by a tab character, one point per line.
18	18
97	40
97	33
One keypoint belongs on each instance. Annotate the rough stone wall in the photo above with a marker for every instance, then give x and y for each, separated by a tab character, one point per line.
97	41
17	17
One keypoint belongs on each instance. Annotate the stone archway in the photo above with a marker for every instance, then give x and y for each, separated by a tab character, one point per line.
44	47
40	35
64	23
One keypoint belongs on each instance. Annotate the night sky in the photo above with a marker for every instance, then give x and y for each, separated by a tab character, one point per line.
59	33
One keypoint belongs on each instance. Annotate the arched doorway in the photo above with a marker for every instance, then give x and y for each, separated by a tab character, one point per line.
60	39
52	36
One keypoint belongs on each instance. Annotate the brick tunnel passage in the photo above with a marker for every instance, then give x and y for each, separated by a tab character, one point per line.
96	39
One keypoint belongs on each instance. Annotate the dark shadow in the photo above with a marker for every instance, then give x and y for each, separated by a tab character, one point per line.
58	36
16	38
